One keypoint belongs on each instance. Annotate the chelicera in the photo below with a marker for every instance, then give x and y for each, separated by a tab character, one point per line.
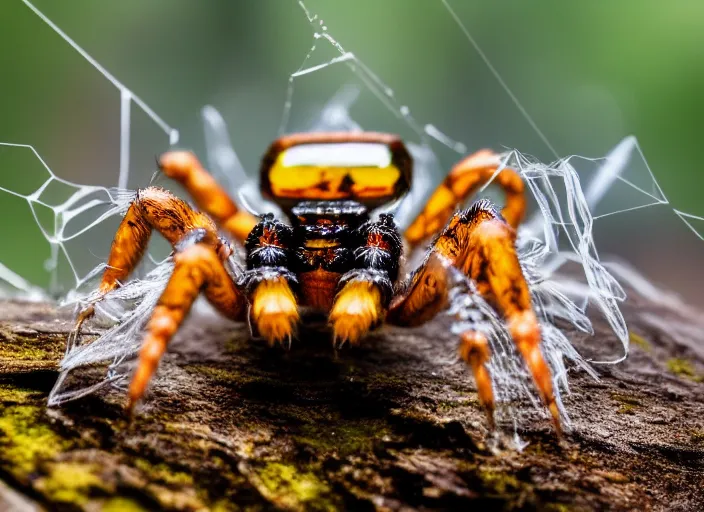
332	254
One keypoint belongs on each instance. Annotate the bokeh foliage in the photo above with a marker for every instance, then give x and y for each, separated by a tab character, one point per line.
588	73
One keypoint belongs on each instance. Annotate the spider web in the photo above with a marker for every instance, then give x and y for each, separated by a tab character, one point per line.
556	246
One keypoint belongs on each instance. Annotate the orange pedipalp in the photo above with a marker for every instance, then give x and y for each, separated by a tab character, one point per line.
274	311
356	310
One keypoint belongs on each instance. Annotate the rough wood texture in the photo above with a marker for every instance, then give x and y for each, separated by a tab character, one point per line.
232	425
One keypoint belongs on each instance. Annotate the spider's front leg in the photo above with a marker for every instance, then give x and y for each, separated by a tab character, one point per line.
365	292
184	167
481	244
153	208
197	268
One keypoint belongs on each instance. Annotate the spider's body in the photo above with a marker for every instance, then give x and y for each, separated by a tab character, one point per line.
333	255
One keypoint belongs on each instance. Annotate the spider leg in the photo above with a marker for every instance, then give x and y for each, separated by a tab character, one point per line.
474	349
365	292
464	180
152	208
184	167
197	268
481	244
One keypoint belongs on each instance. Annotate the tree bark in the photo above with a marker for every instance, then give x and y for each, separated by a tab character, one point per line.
230	424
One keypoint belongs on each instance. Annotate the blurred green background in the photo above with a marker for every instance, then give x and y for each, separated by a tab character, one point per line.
588	73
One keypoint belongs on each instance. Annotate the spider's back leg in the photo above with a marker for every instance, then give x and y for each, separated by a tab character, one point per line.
464	180
481	244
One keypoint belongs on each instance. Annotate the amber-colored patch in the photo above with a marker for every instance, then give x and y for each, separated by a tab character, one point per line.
356	310
274	311
318	288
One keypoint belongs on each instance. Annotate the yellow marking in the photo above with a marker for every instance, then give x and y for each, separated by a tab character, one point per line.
274	310
321	244
357	308
331	182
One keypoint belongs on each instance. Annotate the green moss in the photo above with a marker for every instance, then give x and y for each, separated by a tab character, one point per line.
684	368
628	403
221	375
164	474
345	437
70	482
499	482
627	409
25	440
697	436
290	488
639	342
558	507
626	399
122	505
30	348
14	395
444	406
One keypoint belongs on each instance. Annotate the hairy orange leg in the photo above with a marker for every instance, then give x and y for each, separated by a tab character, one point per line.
152	208
481	244
463	181
184	167
197	268
474	349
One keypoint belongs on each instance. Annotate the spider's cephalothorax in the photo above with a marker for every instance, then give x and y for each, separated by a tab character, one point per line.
332	253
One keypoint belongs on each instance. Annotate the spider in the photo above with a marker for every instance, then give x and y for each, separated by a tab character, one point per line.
330	256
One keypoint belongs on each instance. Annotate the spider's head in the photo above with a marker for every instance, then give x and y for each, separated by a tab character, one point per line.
373	169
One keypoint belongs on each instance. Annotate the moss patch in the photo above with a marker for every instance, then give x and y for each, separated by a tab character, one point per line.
122	505
697	436
25	439
343	437
639	342
684	368
164	474
70	482
16	347
291	488
499	481
628	403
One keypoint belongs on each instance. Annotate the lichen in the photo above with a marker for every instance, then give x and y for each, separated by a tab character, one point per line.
343	437
17	347
164	474
639	342
499	481
697	436
71	482
25	439
628	403
684	368
289	487
122	505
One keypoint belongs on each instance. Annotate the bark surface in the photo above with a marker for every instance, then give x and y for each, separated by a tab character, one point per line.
230	424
